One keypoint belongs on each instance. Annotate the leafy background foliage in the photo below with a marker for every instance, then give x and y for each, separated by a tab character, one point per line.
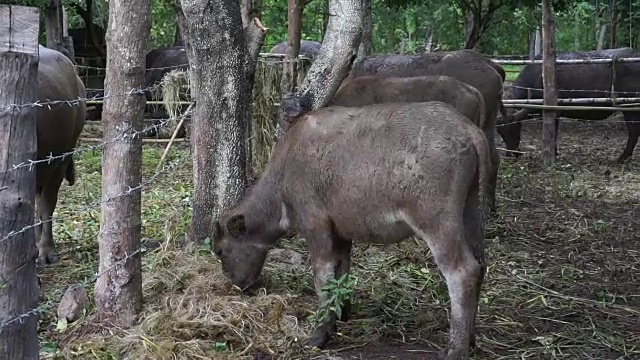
407	21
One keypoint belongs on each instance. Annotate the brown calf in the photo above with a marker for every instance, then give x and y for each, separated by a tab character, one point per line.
375	174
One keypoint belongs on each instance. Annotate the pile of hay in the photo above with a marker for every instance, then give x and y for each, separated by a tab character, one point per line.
173	89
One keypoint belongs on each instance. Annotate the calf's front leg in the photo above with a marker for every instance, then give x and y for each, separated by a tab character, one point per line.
330	258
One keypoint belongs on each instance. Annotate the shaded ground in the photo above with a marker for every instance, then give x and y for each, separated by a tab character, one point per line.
563	279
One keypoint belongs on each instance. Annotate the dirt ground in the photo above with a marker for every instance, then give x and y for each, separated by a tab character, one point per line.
563	278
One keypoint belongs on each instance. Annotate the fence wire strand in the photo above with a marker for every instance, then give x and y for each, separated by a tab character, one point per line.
142	248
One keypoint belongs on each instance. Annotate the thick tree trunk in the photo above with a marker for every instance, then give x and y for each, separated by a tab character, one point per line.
290	65
118	291
366	43
53	24
18	280
549	83
334	61
222	59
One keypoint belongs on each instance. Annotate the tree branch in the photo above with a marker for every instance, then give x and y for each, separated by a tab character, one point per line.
254	33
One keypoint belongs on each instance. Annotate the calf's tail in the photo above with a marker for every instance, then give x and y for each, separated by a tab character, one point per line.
70	173
481	144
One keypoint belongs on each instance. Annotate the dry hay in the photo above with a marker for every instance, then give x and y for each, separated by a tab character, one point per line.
563	280
173	88
266	93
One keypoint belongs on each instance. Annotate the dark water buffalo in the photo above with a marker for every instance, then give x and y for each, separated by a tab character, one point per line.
307	48
578	81
58	128
163	60
467	66
369	90
377	174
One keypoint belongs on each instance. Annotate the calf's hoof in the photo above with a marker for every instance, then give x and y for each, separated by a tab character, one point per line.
346	311
453	354
47	256
320	336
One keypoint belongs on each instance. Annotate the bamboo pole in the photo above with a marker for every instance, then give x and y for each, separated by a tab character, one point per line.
570	107
562	61
602	100
549	131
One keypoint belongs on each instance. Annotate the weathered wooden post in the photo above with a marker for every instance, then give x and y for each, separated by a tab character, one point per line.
19	27
549	83
53	24
118	291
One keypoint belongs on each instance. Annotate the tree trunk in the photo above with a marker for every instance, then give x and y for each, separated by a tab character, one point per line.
550	95
428	42
614	24
18	279
222	59
603	30
366	44
251	9
53	24
334	61
118	291
290	65
177	37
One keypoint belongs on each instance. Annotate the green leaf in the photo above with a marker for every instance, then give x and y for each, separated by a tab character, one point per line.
62	324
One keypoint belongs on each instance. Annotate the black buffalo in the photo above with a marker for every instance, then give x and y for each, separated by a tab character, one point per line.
577	81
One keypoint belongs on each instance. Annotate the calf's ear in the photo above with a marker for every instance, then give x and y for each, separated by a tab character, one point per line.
236	225
291	105
217	231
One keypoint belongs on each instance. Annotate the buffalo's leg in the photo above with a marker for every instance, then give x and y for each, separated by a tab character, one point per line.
495	164
474	222
462	272
46	203
555	140
330	259
632	120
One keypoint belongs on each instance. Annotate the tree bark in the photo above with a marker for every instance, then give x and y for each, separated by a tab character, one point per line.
18	279
550	95
614	24
290	66
603	30
222	58
251	9
177	37
118	291
366	43
334	61
53	24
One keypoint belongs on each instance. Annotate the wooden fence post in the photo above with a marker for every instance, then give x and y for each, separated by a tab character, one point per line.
19	27
118	290
550	95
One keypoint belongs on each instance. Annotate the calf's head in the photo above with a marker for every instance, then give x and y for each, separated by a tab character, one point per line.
241	247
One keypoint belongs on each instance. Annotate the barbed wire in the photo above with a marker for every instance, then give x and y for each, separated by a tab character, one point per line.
32	163
79	100
146	70
563	119
95	204
142	248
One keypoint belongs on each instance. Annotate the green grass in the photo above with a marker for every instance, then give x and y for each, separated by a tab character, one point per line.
563	278
512	71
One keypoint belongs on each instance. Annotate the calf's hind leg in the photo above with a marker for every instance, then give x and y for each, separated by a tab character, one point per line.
330	257
632	120
462	273
46	202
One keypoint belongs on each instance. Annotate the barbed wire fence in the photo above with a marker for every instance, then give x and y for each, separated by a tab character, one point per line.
166	169
98	96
